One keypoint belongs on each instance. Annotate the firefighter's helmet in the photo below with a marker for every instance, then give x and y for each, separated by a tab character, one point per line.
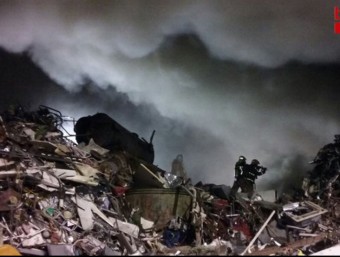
255	162
242	158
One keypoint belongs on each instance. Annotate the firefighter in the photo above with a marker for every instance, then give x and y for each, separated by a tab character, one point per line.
239	166
250	173
177	168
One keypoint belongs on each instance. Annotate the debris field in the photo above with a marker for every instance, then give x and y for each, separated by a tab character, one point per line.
104	196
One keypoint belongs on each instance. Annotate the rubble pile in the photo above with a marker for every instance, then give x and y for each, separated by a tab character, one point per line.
62	198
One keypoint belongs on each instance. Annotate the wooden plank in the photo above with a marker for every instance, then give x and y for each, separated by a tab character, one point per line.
145	177
258	233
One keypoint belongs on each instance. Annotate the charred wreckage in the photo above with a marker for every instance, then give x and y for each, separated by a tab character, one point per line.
104	196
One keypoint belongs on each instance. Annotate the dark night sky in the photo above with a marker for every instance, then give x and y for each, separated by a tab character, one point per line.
215	79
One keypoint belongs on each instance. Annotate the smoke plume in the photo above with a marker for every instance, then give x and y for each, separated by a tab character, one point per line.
216	79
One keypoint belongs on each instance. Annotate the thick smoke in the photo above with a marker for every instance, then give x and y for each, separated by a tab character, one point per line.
216	79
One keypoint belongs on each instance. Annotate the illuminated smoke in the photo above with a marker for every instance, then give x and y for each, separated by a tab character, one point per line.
216	79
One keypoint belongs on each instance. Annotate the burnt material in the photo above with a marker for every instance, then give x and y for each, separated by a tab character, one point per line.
109	134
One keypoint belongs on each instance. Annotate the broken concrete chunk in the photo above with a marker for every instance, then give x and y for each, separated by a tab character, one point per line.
93	147
84	210
86	170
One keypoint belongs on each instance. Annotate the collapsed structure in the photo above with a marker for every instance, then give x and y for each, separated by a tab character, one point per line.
104	196
323	180
109	134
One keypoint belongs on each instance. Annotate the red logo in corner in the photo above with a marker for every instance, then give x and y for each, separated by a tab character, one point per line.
336	20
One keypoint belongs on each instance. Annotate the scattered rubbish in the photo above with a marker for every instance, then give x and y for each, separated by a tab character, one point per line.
104	196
